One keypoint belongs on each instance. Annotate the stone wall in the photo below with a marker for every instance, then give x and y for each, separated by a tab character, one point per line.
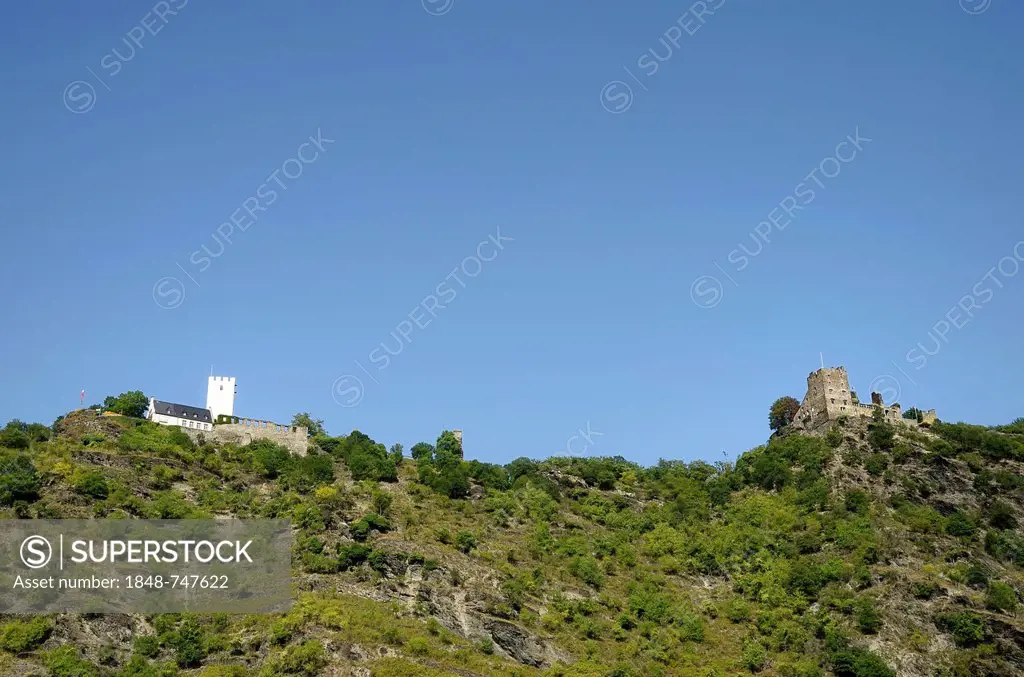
829	397
245	430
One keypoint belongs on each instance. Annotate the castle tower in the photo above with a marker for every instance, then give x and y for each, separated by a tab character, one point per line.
828	397
220	396
458	437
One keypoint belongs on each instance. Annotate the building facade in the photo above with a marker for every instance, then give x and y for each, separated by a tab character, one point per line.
183	415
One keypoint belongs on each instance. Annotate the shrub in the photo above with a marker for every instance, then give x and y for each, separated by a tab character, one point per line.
869	620
465	541
859	663
587	570
961	525
834	437
64	662
372	522
1001	597
268	458
303	659
17	636
132	403
146	645
857	501
967	629
875	464
353	555
783	412
1000	516
92	484
188	644
19	480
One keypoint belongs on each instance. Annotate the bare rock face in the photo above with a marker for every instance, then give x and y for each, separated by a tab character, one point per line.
516	642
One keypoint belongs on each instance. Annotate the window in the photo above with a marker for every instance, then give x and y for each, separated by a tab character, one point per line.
222	387
833	400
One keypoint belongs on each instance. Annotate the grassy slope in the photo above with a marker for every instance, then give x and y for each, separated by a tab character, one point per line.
773	567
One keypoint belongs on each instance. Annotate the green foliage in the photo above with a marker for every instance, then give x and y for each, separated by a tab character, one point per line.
362	528
422	450
961	525
132	403
968	629
302	659
146	645
64	662
869	620
783	412
189	649
465	541
850	662
857	501
17	636
834	437
875	464
965	438
1000	516
19	480
587	570
268	458
314	426
92	484
365	458
1001	597
881	434
19	435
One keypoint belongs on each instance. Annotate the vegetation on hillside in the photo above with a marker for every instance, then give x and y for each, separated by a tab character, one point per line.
868	551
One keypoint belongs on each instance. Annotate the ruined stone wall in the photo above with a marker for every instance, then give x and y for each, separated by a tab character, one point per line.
246	430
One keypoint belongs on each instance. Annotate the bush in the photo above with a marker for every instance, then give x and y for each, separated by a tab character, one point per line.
303	659
189	650
857	501
587	570
268	458
967	629
869	620
146	645
859	663
465	541
18	636
372	522
92	484
961	525
1001	597
132	403
64	662
19	480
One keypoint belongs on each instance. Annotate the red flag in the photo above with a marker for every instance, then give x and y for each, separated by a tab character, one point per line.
81	397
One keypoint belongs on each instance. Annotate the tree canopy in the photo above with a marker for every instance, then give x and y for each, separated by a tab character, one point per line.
783	412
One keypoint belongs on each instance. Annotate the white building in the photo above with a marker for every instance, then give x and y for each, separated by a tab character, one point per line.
169	413
220	401
220	396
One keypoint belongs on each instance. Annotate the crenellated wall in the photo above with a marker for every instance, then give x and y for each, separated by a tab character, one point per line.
245	430
829	397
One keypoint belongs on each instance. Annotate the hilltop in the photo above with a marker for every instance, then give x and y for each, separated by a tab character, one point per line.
860	549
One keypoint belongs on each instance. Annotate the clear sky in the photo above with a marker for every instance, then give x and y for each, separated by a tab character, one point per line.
623	152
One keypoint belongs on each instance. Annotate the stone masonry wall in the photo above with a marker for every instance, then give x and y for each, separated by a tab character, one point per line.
293	438
828	397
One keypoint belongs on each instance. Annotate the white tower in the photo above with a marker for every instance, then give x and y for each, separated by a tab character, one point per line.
220	396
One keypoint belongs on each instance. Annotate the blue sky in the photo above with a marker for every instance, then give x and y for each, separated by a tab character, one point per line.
618	301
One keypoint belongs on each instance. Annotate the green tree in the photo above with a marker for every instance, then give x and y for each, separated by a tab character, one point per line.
783	412
188	645
422	450
314	426
132	403
447	443
18	478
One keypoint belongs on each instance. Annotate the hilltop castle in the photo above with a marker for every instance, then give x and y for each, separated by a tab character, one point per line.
829	397
218	422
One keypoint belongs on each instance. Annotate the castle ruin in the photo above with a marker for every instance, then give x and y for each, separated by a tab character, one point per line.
829	397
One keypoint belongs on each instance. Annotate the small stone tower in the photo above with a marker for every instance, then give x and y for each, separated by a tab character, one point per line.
220	396
458	437
828	397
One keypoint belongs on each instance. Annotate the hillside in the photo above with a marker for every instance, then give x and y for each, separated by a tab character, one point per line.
860	550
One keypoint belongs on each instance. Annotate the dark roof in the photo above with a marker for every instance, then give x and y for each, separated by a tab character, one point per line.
182	411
